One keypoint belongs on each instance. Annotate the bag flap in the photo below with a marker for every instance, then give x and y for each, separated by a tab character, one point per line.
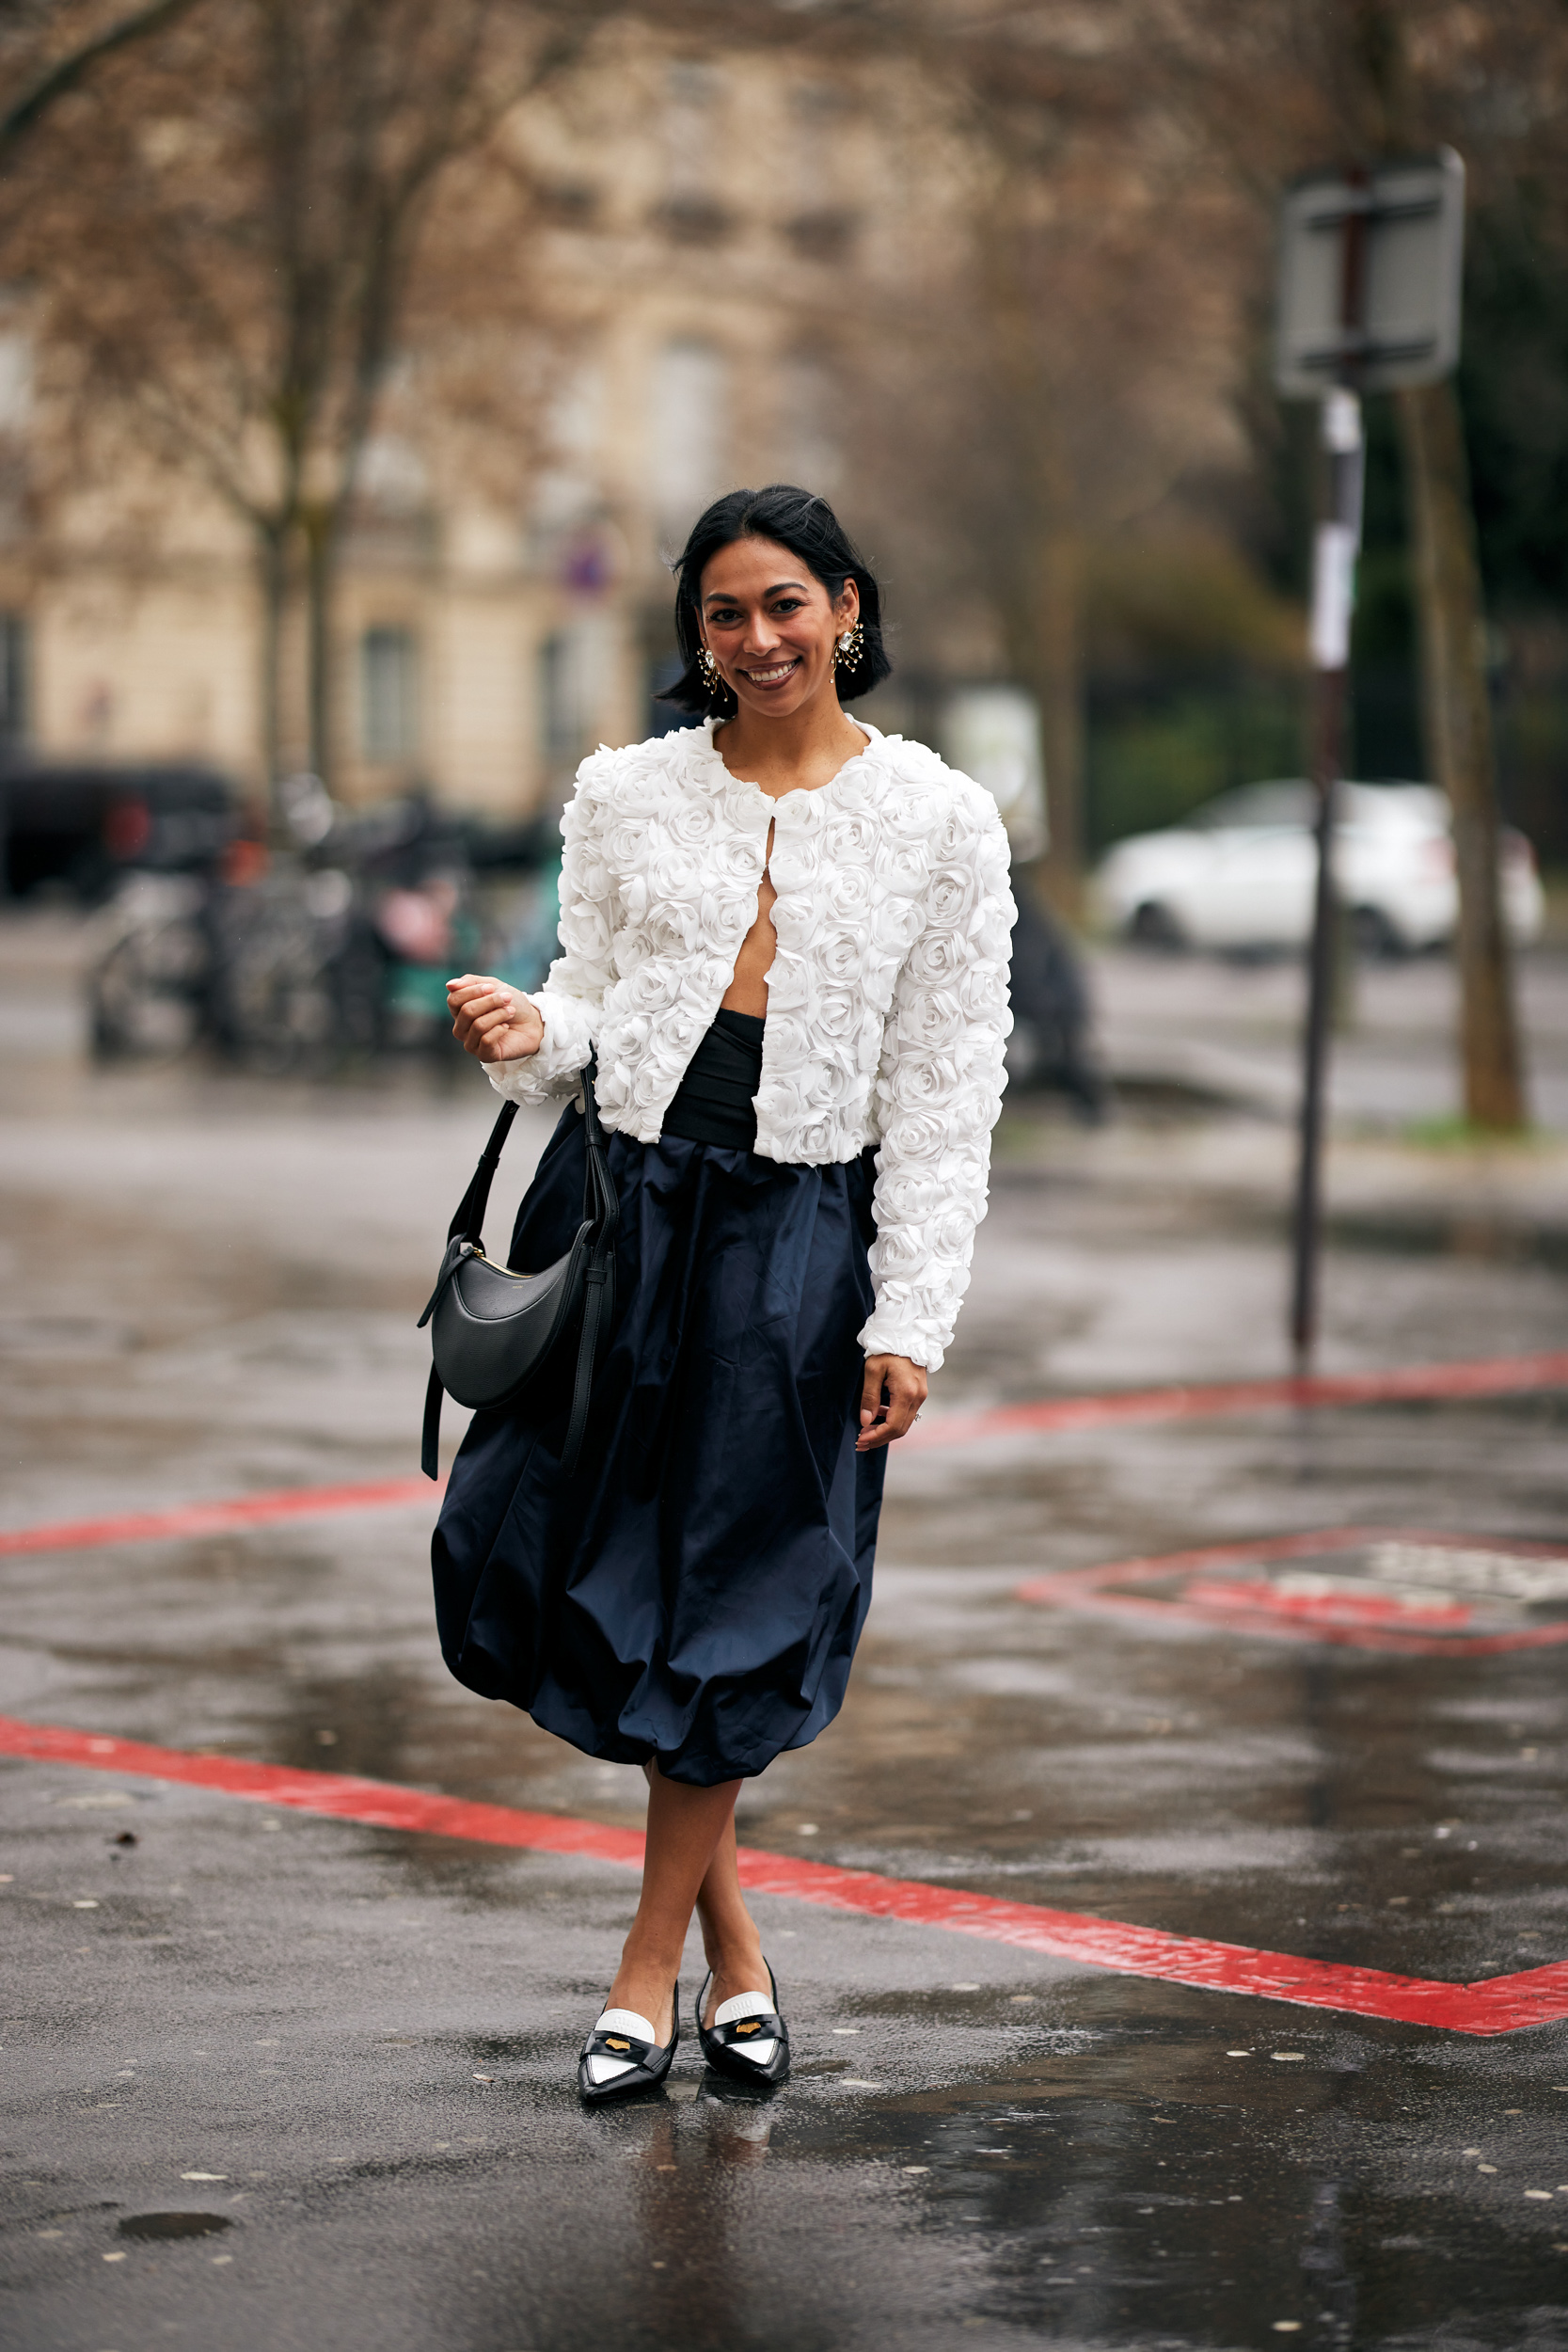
490	1294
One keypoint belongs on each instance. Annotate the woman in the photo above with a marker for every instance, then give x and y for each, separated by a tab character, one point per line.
784	939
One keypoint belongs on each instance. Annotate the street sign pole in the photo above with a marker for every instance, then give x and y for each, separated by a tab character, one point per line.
1369	300
1335	547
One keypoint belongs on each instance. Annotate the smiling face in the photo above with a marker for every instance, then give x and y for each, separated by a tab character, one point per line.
771	625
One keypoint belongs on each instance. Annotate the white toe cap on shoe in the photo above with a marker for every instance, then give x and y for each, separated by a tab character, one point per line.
744	2005
626	2021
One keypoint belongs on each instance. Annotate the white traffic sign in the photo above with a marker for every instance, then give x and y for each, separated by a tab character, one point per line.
1370	278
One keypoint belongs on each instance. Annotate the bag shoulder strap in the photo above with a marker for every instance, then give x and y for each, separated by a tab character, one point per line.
601	1210
430	1435
468	1224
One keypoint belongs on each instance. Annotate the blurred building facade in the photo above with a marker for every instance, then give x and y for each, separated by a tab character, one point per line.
999	286
713	236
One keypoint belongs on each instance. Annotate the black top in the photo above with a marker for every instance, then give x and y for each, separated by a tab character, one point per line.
715	1101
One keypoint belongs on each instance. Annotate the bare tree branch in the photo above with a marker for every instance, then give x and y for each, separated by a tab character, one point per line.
67	72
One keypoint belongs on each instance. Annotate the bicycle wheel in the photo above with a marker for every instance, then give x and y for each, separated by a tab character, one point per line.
145	993
277	1009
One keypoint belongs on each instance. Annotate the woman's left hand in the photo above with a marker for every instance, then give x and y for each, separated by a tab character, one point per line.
493	1022
904	1384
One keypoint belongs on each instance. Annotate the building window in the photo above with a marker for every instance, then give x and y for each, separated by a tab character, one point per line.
16	380
809	406
392	476
13	677
390	694
567	489
687	421
689	212
576	668
690	106
558	728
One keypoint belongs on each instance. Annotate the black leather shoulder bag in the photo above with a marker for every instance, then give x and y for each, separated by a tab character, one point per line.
499	1338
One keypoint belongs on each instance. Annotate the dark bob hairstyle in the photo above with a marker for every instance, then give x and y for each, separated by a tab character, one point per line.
807	526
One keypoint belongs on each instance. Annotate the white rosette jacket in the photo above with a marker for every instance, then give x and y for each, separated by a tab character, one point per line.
887	1001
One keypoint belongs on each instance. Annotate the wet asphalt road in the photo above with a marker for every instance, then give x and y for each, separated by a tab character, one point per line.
343	2056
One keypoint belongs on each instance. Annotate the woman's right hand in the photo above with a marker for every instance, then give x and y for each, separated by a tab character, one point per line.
492	1021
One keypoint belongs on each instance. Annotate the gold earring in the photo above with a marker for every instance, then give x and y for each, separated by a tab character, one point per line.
848	650
713	677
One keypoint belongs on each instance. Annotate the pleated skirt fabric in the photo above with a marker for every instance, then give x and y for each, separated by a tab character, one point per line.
696	1590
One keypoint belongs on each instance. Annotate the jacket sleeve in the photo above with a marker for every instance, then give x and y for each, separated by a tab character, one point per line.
939	1087
572	997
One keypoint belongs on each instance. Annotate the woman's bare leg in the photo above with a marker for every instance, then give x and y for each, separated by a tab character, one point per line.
730	1937
685	1828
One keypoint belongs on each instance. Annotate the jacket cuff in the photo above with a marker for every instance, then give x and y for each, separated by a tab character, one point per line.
887	1335
523	1082
552	1071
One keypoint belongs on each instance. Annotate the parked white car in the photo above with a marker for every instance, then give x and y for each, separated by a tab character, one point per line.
1239	873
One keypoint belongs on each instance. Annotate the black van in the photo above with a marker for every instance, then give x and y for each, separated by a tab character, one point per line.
80	823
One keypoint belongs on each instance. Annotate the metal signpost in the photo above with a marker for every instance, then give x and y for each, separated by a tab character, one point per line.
1369	301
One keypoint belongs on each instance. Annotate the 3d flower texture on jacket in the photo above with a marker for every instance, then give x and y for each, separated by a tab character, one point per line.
887	999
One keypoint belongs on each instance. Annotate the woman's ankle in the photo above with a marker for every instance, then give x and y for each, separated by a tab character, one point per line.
644	1995
649	1961
730	1936
734	1958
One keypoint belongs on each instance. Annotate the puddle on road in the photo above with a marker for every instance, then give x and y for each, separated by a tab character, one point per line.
173	2225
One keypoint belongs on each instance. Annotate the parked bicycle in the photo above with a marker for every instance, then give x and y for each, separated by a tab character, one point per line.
338	947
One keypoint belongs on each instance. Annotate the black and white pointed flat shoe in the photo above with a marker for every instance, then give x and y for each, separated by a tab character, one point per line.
748	2037
621	2054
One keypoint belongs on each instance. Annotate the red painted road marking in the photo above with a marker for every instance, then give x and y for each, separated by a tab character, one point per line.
1496	1376
1343	1608
1499	1376
1087	1591
218	1518
1499	2005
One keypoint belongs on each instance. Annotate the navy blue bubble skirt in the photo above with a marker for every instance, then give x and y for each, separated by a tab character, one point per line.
696	1590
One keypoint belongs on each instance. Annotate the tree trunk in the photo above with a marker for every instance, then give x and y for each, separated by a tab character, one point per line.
1042	639
1459	746
274	570
1038	559
1059	638
321	566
